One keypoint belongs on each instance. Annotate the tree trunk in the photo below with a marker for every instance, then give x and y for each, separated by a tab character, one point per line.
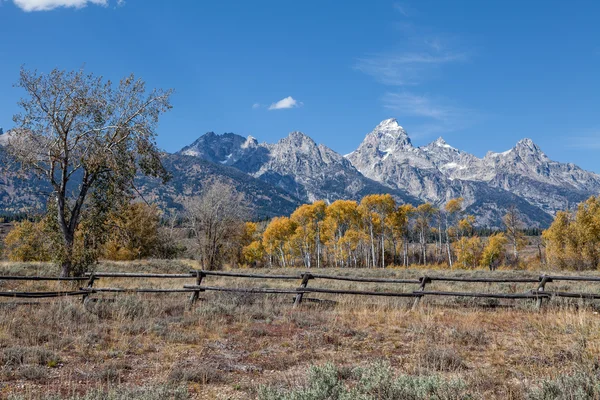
67	262
66	267
318	248
424	247
372	245
440	251
382	248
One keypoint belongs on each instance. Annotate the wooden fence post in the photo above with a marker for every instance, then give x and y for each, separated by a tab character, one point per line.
305	278
424	281
90	284
541	287
194	297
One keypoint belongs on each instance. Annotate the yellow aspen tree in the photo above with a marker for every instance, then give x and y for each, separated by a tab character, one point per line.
308	236
25	242
253	253
453	209
424	215
399	223
276	238
304	236
468	251
252	250
377	208
513	225
556	238
341	216
134	232
495	251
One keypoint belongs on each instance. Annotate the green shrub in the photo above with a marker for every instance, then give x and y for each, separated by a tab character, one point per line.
376	382
442	359
32	373
161	392
581	385
197	373
20	355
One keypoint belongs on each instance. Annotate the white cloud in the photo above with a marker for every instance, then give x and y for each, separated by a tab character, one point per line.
404	9
419	57
585	142
406	68
434	115
256	106
46	5
288	102
416	105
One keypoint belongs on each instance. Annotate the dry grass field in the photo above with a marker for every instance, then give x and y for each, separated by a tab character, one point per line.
253	346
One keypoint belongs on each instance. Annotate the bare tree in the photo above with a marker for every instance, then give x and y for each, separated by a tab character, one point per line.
216	220
84	135
513	225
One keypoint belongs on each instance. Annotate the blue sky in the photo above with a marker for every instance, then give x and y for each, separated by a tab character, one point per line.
482	74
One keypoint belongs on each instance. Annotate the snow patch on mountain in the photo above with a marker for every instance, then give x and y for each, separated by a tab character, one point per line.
438	171
387	160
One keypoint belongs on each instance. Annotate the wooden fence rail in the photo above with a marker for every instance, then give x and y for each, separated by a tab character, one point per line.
423	289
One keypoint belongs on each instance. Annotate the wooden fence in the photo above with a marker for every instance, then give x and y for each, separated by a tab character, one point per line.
422	286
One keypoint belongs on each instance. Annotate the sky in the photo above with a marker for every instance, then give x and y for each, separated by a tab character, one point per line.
482	74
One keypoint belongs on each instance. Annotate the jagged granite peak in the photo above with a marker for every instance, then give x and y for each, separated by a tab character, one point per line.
227	149
387	137
438	171
297	169
528	172
440	146
4	137
250	142
313	171
213	147
447	158
387	155
440	142
528	150
296	164
297	140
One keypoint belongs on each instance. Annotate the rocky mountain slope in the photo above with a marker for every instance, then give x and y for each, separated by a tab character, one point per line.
22	194
438	172
19	193
295	164
277	177
191	174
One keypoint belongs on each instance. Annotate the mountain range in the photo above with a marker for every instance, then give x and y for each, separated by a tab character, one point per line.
278	177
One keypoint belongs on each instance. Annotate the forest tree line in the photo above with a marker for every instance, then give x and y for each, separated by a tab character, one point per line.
88	139
375	233
378	232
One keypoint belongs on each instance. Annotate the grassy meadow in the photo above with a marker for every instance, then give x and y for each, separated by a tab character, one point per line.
253	346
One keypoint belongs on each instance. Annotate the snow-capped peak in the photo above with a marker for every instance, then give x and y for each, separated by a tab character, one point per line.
528	144
5	137
250	142
297	136
440	142
297	141
390	123
492	154
388	136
